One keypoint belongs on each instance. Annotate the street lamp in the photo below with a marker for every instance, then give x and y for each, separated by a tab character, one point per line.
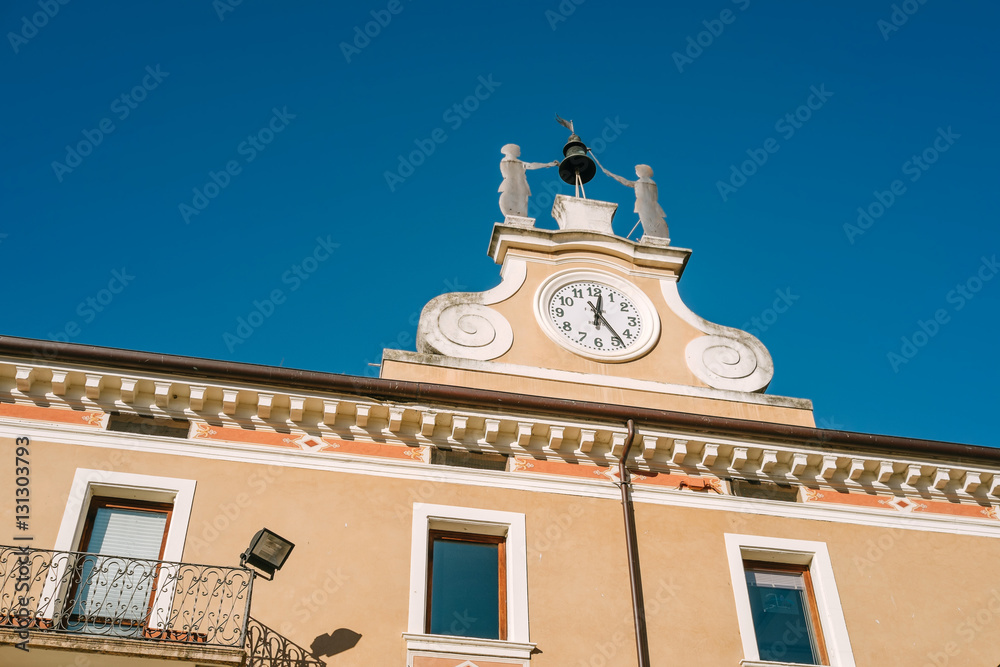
267	552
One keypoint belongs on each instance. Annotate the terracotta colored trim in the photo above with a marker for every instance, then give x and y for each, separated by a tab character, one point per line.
221	372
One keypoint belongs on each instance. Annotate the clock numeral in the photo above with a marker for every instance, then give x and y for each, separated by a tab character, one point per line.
633	322
627	334
598	342
624	305
593	291
617	341
577	292
566	301
583	334
560	312
611	297
567	326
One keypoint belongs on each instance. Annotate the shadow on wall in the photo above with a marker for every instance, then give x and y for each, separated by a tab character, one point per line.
341	640
268	648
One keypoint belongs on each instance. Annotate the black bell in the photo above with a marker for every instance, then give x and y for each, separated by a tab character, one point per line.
576	162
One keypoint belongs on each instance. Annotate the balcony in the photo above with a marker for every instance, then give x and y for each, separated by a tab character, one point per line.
126	609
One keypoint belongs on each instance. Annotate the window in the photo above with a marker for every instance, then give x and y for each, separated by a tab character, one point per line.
784	613
127	489
787	603
466	585
114	586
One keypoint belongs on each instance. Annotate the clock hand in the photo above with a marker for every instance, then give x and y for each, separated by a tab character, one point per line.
597	314
597	311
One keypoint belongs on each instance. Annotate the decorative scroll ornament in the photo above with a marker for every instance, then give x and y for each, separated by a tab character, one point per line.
462	324
725	358
726	363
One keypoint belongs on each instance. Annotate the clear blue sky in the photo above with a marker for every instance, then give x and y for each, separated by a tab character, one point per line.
309	127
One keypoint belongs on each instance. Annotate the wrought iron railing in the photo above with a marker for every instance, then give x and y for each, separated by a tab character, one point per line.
93	594
267	648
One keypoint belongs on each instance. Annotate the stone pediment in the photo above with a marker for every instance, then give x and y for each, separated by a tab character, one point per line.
520	329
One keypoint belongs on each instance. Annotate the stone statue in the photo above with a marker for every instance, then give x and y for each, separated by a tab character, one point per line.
514	191
651	215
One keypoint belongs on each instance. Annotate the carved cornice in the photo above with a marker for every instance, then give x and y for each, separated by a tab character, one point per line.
354	416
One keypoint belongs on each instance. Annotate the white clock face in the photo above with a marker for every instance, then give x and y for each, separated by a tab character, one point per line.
596	317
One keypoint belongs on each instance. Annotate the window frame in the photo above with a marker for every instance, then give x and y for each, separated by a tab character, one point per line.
105	502
811	556
467	522
814	618
501	542
132	487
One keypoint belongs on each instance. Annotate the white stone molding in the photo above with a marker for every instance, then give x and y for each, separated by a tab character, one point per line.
461	324
709	454
738	459
828	468
798	464
60	382
523	434
129	389
296	408
842	468
509	525
361	415
971	482
230	397
161	394
428	422
768	459
725	358
556	434
330	410
24	377
396	419
816	557
93	386
679	451
458	426
197	399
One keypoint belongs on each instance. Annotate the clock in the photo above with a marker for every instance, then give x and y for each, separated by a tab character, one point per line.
597	315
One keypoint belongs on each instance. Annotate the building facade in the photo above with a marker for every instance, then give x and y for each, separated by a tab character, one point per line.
466	508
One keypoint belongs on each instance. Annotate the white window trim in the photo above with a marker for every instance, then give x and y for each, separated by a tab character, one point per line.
89	483
797	552
474	521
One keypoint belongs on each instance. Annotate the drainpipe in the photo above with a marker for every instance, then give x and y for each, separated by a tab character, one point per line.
635	578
